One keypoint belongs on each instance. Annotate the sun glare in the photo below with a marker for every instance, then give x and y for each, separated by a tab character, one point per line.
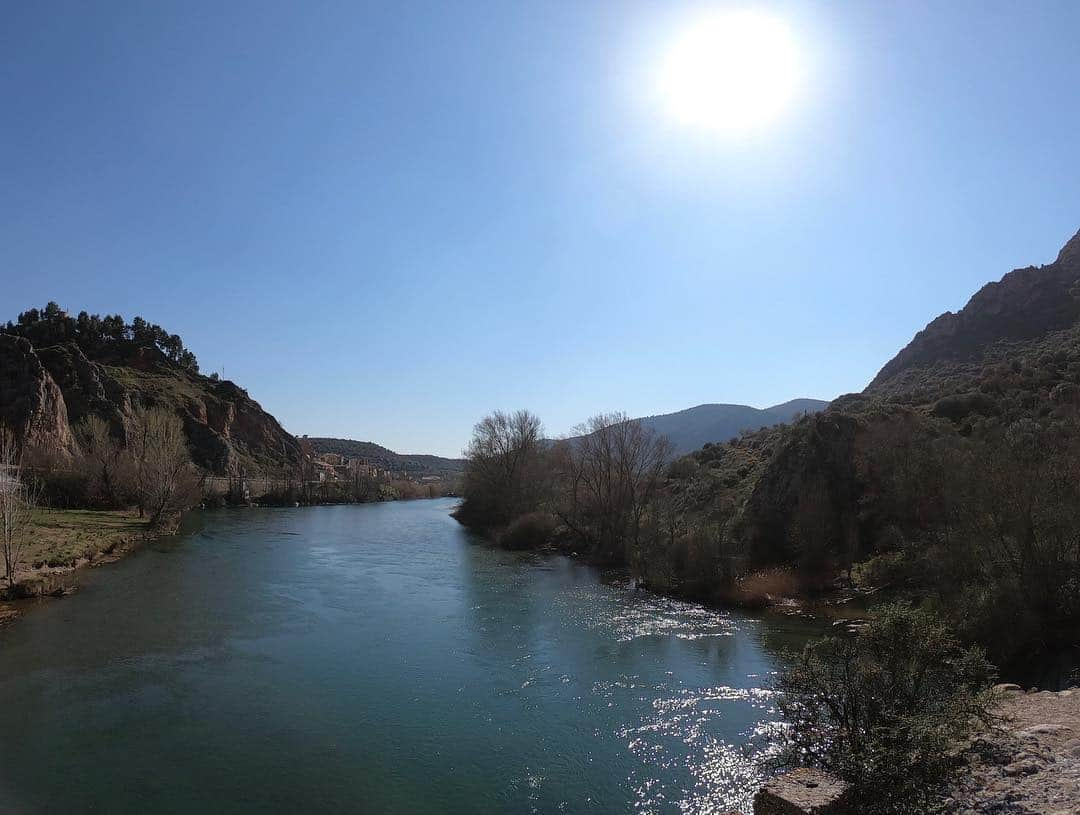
730	71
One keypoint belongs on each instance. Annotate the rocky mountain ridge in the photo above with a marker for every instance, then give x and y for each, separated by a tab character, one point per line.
981	409
690	429
1024	305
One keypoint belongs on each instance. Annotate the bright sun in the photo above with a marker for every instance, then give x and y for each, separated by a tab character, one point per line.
730	71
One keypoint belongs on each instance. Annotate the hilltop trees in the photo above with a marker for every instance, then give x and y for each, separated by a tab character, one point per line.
96	334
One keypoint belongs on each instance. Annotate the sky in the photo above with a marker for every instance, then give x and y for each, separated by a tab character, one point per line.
387	219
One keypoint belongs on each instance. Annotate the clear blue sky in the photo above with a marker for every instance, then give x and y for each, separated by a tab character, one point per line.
386	219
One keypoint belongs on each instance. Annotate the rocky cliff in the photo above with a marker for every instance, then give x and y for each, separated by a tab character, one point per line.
1022	307
31	403
974	419
45	392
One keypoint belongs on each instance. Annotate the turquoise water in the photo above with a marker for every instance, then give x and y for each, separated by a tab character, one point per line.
376	659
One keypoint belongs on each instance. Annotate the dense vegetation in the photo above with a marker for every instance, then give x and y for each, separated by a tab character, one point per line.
952	482
151	470
595	488
99	336
885	709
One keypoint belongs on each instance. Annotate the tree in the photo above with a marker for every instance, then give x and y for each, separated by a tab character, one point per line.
505	471
17	500
165	479
94	333
106	466
886	708
608	476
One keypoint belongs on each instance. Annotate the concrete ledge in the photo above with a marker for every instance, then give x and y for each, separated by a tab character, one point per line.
801	792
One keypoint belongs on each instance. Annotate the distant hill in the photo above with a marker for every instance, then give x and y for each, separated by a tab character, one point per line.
419	463
690	429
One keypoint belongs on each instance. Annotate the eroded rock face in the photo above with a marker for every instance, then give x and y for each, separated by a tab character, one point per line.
45	392
31	402
1024	305
87	388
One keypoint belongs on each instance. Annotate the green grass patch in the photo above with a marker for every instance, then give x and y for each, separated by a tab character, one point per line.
61	537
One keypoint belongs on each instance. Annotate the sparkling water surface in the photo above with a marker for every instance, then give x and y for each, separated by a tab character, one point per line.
377	659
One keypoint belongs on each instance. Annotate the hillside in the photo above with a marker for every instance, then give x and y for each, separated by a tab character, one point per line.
955	476
999	321
690	429
1012	355
419	463
56	370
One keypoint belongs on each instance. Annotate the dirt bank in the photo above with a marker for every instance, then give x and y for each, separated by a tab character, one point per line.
1030	763
62	544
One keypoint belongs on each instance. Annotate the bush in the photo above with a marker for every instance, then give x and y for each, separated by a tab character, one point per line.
958	406
61	489
886	709
531	531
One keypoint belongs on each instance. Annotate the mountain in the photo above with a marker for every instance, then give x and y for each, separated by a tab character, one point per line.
952	477
1024	311
56	370
413	463
824	488
1011	356
690	429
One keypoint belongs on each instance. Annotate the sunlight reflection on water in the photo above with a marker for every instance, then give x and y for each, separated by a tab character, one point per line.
308	660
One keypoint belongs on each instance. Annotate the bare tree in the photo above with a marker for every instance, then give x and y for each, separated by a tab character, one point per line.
106	466
17	501
165	479
505	474
609	474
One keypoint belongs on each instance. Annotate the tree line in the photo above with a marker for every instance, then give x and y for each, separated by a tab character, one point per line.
596	490
148	468
95	334
979	546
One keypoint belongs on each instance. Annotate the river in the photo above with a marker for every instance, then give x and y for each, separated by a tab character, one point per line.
377	659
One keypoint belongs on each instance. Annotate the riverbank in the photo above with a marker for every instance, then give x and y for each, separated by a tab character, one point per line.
376	645
63	542
1029	764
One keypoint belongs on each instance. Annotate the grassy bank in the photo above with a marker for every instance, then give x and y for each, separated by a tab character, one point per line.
64	540
66	537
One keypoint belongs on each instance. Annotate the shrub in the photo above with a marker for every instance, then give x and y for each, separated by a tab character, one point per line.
886	709
530	531
958	406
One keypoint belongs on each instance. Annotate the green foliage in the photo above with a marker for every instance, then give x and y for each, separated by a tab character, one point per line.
885	709
987	529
